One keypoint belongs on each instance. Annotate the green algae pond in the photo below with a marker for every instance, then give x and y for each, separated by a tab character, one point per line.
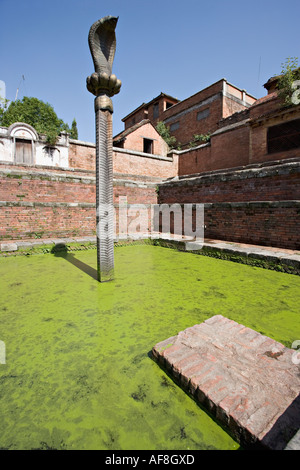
78	371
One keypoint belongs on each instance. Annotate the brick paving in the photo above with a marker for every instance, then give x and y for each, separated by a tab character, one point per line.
248	382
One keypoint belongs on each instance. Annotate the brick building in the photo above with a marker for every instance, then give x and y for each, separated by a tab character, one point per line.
198	114
247	175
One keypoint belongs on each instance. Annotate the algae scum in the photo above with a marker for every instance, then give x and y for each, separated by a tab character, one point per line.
78	374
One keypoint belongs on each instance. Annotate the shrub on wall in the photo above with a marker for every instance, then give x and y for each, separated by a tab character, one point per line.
164	132
287	82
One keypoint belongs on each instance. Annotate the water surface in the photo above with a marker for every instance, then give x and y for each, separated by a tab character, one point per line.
78	373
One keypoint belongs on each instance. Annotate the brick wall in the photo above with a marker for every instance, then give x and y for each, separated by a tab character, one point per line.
227	149
259	147
24	220
44	203
133	163
189	124
241	138
258	204
82	155
276	182
126	161
266	223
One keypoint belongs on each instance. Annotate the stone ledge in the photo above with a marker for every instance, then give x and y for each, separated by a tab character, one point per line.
245	380
273	168
267	257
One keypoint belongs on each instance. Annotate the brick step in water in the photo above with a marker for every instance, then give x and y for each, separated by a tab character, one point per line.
248	382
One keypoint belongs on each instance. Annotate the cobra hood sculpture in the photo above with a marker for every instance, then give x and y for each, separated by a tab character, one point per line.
102	43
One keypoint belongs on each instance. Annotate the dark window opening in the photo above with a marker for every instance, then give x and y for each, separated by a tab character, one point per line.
23	151
168	104
203	114
174	126
119	144
155	110
284	136
148	146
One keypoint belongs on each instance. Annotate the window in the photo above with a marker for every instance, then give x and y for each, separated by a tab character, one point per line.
155	110
148	146
174	126
203	114
23	151
168	104
284	136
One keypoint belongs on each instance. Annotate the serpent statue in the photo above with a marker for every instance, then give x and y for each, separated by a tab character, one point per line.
102	43
103	84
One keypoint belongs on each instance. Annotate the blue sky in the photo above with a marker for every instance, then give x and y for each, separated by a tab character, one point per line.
170	46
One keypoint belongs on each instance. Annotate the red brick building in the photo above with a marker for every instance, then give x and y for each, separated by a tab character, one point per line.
247	175
198	114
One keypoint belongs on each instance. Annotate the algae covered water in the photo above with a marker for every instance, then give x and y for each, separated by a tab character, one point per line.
78	373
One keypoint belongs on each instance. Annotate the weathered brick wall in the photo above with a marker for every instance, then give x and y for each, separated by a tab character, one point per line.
259	147
25	220
258	205
43	203
241	138
133	163
266	223
190	125
277	182
82	155
226	150
196	160
125	161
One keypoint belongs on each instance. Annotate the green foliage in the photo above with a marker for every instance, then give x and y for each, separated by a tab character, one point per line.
199	139
74	130
164	132
36	113
290	72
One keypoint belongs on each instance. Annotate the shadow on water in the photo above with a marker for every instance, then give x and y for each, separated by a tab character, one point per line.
60	250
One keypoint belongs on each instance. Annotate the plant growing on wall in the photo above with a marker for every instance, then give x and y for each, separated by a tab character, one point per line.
36	113
287	86
199	139
164	132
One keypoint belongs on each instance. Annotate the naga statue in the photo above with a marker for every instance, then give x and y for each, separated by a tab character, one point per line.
103	84
102	42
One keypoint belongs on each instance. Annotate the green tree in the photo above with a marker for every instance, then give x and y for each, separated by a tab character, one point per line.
290	72
38	114
164	132
74	130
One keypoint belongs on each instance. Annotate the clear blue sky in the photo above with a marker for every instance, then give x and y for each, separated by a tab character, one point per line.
170	46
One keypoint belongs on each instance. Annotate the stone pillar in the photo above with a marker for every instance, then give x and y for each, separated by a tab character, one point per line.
104	192
103	84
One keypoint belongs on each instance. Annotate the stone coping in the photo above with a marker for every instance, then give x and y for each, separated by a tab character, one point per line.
239	173
278	259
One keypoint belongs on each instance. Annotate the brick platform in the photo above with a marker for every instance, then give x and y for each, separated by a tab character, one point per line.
245	380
